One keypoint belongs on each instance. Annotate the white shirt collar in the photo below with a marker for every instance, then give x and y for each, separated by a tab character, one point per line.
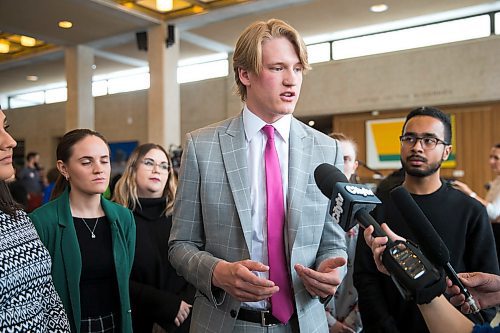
253	124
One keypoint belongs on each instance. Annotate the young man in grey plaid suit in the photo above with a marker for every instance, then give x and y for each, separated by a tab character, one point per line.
220	226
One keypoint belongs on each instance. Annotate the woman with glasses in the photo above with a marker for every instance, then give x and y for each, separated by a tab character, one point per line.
91	240
159	297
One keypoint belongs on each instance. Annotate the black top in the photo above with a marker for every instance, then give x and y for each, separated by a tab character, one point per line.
156	290
463	225
98	285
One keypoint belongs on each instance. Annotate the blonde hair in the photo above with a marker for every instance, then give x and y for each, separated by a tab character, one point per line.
248	51
341	137
125	192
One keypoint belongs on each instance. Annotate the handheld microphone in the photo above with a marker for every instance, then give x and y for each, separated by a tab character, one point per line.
429	240
350	203
414	275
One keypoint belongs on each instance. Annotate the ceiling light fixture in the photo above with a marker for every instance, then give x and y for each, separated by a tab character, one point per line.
379	8
28	41
32	78
65	24
164	5
4	46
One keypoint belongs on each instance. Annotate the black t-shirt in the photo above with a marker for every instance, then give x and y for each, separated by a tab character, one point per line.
98	284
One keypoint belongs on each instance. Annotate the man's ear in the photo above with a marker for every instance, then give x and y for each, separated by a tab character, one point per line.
446	152
244	76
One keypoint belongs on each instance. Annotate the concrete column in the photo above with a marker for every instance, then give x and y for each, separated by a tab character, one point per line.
164	110
80	108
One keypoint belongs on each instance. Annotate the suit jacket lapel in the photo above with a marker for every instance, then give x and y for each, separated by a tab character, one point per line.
300	150
234	154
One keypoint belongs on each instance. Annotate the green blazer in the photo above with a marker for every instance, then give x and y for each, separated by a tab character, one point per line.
54	224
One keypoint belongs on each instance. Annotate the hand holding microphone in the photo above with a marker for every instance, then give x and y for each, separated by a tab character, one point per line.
379	244
431	243
413	274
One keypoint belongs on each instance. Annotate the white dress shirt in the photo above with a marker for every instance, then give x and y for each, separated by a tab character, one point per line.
256	140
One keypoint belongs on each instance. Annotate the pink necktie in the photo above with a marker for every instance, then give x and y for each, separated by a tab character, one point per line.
281	302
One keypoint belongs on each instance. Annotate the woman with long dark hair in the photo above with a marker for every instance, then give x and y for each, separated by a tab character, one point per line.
91	239
28	300
158	295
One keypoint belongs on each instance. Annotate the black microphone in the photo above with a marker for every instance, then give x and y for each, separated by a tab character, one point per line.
350	203
343	206
429	240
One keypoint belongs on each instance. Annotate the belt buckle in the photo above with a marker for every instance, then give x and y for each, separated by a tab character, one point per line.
263	319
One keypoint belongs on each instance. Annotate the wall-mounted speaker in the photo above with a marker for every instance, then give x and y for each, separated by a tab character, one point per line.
170	35
142	40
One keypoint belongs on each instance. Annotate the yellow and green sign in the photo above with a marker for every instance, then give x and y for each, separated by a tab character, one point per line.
383	147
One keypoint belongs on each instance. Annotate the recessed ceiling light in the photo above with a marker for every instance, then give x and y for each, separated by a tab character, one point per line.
93	66
382	7
65	24
28	41
311	123
32	78
164	5
4	46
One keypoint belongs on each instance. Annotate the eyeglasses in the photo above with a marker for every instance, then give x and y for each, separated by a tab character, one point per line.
427	142
149	164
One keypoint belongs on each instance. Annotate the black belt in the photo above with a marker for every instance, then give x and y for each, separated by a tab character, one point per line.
264	317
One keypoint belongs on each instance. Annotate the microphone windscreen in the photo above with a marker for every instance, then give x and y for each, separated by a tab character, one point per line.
426	236
326	176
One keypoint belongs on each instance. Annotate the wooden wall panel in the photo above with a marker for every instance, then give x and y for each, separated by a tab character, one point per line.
477	129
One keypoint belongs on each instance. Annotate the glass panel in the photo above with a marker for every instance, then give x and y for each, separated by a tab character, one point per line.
56	95
99	88
203	71
318	52
433	34
128	83
497	23
28	99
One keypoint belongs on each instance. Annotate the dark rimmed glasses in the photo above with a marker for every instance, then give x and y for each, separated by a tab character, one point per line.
427	142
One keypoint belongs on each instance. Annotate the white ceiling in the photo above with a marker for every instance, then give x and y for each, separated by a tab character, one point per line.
105	26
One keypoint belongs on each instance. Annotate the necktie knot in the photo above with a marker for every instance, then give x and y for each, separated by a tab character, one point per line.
269	131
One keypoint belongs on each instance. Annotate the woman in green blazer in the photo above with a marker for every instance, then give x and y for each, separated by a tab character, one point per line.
91	240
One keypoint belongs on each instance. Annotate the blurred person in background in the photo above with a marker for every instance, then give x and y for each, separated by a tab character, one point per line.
158	295
51	181
342	311
31	179
492	199
91	240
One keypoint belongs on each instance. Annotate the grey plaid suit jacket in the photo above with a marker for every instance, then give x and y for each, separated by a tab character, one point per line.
212	219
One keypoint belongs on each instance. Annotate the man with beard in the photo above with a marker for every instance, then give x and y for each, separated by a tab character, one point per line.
461	222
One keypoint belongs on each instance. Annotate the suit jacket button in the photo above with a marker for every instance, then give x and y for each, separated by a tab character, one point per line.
233	313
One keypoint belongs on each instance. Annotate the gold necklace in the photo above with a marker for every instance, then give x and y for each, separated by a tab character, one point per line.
93	229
